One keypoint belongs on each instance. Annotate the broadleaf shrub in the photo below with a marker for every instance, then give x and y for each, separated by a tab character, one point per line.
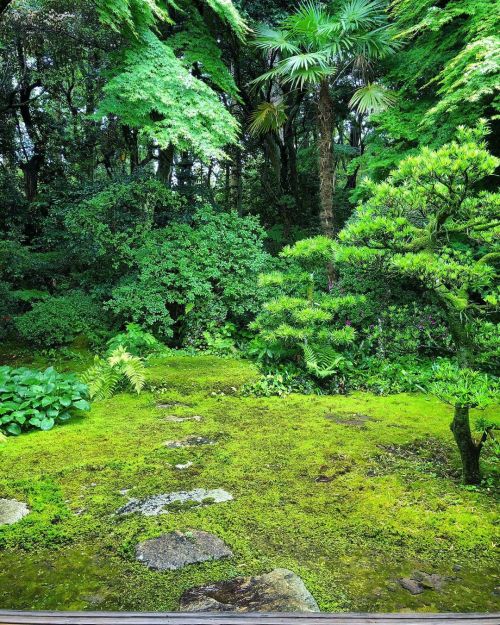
60	320
135	341
31	399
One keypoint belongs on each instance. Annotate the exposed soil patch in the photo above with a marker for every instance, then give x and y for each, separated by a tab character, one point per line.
338	464
355	419
426	455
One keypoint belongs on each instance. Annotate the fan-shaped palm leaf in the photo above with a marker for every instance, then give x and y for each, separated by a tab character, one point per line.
361	14
372	98
275	40
267	117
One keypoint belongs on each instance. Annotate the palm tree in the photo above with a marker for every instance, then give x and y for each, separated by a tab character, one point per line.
316	47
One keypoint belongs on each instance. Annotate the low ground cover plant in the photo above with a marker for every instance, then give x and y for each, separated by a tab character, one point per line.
31	400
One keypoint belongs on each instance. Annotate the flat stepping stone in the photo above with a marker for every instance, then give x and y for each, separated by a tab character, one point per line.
176	419
189	441
12	511
172	404
280	590
175	502
181	467
176	550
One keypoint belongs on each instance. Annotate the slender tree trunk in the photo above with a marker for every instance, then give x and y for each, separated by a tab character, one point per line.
325	128
165	164
236	181
469	450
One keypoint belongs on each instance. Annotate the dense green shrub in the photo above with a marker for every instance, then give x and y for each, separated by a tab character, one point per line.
135	341
189	277
38	400
111	222
61	319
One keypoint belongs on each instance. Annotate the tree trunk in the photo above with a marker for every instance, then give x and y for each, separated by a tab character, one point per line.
236	181
165	165
469	450
31	170
325	127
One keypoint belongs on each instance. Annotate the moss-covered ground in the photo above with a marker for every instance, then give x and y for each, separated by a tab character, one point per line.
349	492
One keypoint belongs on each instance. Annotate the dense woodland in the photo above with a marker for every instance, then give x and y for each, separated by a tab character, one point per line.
310	185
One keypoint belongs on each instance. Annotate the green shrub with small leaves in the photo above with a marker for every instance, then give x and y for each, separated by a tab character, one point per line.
31	400
59	320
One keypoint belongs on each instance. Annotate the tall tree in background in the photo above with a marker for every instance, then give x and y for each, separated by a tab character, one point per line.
445	76
315	48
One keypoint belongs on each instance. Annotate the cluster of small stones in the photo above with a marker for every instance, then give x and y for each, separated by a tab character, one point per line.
421	581
280	590
189	441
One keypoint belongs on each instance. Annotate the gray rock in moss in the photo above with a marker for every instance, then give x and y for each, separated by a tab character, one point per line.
176	550
12	511
280	590
175	502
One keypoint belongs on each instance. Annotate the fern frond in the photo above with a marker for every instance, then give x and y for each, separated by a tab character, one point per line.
104	376
322	362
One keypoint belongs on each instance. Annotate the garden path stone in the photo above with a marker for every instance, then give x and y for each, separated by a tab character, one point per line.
181	467
157	504
176	550
175	419
12	511
280	590
189	441
411	585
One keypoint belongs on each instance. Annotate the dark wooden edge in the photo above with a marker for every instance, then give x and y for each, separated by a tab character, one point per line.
11	617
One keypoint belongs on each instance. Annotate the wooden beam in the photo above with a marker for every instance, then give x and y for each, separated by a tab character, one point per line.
11	617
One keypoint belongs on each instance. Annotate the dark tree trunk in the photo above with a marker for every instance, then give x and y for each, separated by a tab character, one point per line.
31	171
325	127
165	165
468	448
236	181
131	139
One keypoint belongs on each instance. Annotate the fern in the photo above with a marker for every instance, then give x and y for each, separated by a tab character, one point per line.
105	375
322	362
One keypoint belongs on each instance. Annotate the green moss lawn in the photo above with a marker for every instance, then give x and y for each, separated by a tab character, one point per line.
349	492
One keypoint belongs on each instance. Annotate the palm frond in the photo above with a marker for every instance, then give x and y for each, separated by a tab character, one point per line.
275	40
311	76
308	20
372	98
267	117
362	14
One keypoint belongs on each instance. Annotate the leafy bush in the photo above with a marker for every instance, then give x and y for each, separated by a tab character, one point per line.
38	400
281	382
60	320
189	277
107	375
135	341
